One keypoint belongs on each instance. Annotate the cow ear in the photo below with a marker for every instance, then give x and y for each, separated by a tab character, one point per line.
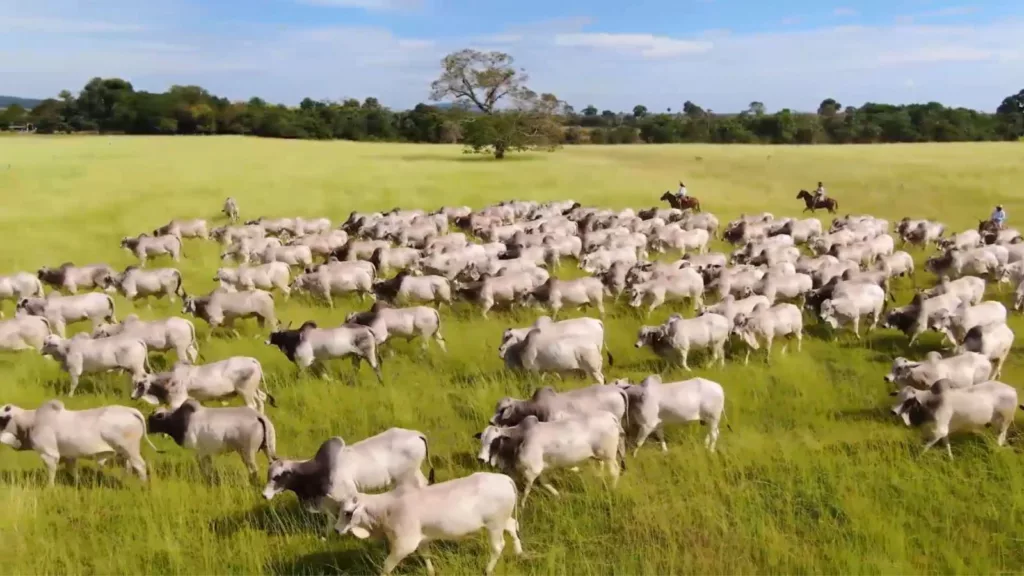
478	435
360	532
894	393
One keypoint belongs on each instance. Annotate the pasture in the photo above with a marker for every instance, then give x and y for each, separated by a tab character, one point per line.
815	475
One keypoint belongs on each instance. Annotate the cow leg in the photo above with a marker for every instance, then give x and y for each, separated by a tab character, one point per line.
398	552
440	341
856	327
51	461
71	465
75	374
746	358
512	527
800	341
547	486
768	349
496	536
249	459
613	469
429	565
712	438
600	305
646	428
938	434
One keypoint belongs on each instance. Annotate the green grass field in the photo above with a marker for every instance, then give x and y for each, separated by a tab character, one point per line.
814	477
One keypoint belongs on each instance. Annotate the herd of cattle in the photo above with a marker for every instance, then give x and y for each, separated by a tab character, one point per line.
501	255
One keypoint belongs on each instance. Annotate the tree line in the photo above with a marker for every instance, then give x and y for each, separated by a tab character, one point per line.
486	106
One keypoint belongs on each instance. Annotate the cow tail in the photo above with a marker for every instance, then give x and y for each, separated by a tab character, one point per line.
111	318
177	289
269	444
181	247
263	383
426	449
620	451
725	418
611	359
195	343
39	288
438	334
145	431
145	356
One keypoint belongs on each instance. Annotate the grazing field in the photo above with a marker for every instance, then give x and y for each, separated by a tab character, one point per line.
815	475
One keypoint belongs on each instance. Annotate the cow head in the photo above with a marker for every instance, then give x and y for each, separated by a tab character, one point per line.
745	331
287	341
310	480
828	314
900	371
153	389
910	407
354	519
488	439
54	346
649	336
173	423
15	426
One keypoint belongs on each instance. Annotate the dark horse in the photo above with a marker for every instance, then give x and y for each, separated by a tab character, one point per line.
686	203
829	204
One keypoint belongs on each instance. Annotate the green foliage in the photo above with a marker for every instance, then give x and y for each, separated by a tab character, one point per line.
478	84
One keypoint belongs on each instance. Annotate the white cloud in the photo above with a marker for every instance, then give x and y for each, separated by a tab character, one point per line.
953	11
791	20
646	45
937	54
381	5
13	24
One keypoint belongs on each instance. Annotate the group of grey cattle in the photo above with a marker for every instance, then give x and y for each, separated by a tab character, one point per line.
501	255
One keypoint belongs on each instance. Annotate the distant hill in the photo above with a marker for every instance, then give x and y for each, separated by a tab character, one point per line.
27	103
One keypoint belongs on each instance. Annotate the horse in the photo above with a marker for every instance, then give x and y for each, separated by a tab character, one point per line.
685	203
813	204
988	226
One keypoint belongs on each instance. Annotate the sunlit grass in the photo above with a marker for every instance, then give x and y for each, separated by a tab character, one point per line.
813	477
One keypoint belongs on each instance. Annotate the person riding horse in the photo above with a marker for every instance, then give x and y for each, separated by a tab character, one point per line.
819	195
682	191
998	217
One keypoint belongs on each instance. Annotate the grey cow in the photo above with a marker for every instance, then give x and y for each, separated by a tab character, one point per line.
223	308
211	431
145	246
412	322
70	278
63	310
61	435
173	333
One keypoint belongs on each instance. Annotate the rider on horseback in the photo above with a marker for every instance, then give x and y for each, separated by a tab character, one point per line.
999	217
819	195
682	191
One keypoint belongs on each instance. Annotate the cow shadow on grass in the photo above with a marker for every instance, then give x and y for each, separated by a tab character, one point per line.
881	414
283	520
89	475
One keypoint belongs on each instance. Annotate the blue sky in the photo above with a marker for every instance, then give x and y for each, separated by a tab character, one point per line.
721	54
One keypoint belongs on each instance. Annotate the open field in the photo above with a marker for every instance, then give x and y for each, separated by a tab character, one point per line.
814	477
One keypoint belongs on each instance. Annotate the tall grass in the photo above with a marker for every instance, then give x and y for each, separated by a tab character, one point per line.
814	477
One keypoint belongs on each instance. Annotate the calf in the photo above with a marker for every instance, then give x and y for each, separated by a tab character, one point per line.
235	376
685	283
264	276
81	355
387	258
290	255
508	289
993	341
176	334
135	283
223	308
589	328
963	241
948	409
18	286
145	247
227	235
451	510
23	332
550	351
652	403
329	281
230	209
407	288
861	300
730	307
58	434
547	405
211	431
955	323
962	371
790	286
413	322
969	288
579	292
677	336
310	344
195	228
60	311
338	472
767	323
532	447
70	278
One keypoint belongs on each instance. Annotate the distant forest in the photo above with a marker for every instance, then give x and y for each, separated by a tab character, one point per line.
113	106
